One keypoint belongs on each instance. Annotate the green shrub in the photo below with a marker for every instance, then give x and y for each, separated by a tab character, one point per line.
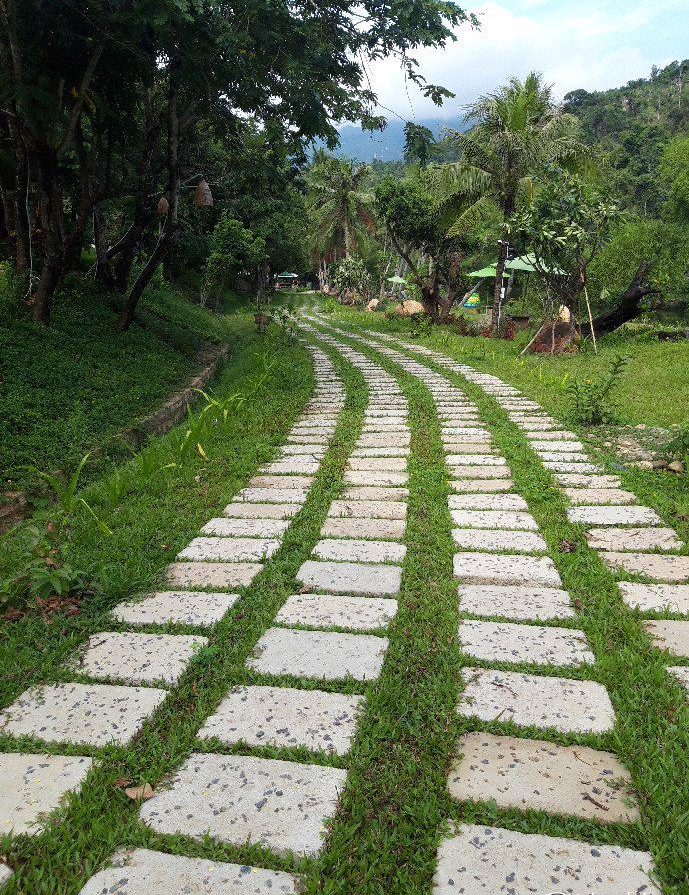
591	400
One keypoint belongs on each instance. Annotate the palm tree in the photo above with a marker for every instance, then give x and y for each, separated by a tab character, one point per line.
339	206
518	131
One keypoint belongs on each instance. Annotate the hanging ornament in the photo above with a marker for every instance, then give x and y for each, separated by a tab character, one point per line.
203	195
163	206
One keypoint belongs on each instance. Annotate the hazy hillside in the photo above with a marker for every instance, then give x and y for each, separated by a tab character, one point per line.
387	145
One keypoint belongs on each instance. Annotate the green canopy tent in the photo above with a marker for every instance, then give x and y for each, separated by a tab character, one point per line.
397	279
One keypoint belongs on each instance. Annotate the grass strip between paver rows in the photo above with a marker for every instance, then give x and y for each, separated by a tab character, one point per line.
651	736
101	819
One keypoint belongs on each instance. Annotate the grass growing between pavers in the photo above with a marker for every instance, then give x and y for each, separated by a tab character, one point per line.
394	807
651	736
101	818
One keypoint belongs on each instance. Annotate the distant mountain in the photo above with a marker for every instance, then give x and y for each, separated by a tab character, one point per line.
387	145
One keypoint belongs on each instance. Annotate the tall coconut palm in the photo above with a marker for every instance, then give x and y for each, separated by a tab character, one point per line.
518	131
339	205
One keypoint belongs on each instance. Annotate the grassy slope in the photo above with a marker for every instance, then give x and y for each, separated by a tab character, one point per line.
70	388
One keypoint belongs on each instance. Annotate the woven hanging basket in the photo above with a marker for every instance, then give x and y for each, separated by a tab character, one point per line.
163	206
203	195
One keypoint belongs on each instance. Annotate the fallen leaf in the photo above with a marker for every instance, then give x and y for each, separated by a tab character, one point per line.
139	793
122	781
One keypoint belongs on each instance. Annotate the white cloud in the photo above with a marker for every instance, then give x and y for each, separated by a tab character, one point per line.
510	44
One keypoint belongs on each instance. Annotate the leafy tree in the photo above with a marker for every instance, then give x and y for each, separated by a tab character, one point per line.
339	204
419	143
351	280
518	131
233	250
674	176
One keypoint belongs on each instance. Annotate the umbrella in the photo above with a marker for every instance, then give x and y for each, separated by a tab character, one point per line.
485	273
397	279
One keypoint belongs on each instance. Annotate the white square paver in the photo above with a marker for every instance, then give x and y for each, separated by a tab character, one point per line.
350	577
531	700
285	717
494	519
33	786
320	655
609	515
505	642
389	464
517	602
352	550
215	575
367	528
246	528
374	492
656	597
137	658
485	568
93	714
261	510
670	635
177	607
681	672
485	486
533	775
479	472
592	496
367	509
272	494
294	466
229	549
375	478
144	872
650	538
575	480
486	502
498	540
662	568
281	805
337	611
280	481
481	860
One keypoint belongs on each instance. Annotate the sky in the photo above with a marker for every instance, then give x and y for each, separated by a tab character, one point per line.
594	44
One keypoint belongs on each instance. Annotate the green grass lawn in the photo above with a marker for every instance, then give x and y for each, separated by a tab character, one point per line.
70	388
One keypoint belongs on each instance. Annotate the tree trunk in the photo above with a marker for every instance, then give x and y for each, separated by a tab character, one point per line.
497	293
22	223
53	257
103	274
165	240
629	305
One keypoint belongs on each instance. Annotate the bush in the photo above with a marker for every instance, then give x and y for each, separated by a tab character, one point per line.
592	403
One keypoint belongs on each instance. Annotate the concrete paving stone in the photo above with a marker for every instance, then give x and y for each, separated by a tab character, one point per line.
531	700
517	602
373	492
282	805
351	550
5	874
143	872
568	466
562	456
459	441
506	642
573	480
401	451
556	435
246	528
178	607
681	672
388	529
382	413
222	549
555	444
285	717
481	860
480	448
213	575
383	439
272	494
320	655
309	439
385	427
368	509
290	467
261	510
135	657
592	496
486	502
633	539
466	431
375	479
494	519
309	429
280	481
656	597
499	540
479	472
389	464
302	450
613	515
489	568
538	776
486	486
350	577
670	635
337	611
33	786
93	714
661	568
474	460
